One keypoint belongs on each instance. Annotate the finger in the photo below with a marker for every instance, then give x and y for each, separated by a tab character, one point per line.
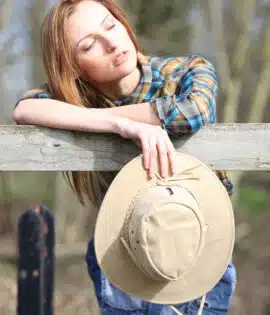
152	156
171	156
163	157
146	152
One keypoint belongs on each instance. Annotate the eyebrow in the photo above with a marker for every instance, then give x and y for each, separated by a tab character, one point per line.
76	46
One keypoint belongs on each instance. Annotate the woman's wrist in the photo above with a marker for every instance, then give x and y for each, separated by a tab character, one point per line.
126	128
141	112
120	123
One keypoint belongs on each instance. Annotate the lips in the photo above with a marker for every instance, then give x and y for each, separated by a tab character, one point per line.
121	58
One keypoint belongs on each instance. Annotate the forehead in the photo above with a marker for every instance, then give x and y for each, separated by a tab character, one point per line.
86	18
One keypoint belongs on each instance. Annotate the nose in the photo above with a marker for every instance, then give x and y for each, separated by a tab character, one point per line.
110	44
111	48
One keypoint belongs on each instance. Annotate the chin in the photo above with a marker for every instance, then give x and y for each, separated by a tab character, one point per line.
126	69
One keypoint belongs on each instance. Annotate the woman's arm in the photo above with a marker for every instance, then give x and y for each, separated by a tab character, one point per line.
142	112
56	114
38	107
52	113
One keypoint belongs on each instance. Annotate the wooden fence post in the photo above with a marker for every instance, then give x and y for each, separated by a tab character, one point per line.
36	262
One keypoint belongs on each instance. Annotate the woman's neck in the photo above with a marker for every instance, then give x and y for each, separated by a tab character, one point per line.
122	88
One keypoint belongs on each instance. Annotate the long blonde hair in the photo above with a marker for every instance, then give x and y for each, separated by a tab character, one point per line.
66	84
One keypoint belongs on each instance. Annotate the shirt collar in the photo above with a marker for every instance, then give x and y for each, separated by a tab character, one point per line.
138	95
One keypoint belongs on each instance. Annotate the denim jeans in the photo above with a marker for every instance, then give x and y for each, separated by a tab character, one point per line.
113	301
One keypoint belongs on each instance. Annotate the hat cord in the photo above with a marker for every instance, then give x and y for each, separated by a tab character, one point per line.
200	309
185	174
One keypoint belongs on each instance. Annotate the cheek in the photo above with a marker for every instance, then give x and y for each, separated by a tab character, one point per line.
94	69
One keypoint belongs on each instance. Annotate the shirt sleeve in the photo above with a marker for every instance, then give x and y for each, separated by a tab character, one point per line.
193	103
225	180
42	92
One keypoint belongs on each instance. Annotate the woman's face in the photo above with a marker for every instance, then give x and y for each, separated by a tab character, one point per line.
102	46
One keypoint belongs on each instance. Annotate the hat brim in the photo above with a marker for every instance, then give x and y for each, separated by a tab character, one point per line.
216	207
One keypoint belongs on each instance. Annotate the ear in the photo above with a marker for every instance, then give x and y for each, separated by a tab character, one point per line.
76	71
76	74
79	74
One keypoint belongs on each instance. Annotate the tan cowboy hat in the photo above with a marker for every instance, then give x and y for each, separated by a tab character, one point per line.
165	241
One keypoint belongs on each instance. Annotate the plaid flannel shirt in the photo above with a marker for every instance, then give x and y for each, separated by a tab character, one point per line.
182	91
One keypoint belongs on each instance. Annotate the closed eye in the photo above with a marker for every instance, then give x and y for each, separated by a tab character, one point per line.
110	24
88	47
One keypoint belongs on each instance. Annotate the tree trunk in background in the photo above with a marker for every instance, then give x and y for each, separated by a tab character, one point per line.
35	17
5	13
245	16
5	17
262	91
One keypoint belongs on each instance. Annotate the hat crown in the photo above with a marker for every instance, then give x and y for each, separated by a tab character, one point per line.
166	232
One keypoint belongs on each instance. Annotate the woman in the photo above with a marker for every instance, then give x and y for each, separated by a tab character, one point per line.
93	61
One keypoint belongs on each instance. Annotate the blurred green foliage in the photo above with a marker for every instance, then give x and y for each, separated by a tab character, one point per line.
38	186
254	200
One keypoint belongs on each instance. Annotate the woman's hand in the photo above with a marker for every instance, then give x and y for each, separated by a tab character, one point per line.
153	140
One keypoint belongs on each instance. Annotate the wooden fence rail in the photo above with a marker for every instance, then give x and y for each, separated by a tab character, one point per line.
221	146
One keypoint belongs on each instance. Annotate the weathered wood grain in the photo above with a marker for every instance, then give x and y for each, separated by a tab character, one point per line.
221	146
